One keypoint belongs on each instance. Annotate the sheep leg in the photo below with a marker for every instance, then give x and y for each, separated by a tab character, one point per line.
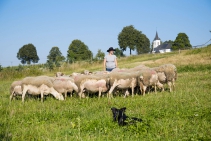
23	95
42	96
100	90
11	96
155	89
79	94
133	86
173	83
132	91
126	93
65	95
112	88
170	86
144	90
81	91
141	90
160	86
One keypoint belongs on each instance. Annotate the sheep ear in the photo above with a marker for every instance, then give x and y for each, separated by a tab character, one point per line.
62	74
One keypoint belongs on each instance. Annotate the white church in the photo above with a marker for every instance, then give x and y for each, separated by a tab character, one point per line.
157	47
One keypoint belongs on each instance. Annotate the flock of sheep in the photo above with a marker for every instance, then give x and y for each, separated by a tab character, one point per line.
126	80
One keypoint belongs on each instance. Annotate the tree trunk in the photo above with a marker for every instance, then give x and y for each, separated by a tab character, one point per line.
130	51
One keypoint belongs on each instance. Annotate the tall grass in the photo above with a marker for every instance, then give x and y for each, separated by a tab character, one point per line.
184	114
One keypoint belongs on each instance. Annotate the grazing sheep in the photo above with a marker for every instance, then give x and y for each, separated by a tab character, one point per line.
167	74
150	78
91	83
123	80
145	77
15	89
64	84
39	85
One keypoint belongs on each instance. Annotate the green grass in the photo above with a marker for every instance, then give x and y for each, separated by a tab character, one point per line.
184	114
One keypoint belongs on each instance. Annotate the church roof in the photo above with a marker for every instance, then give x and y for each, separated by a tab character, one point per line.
156	36
162	47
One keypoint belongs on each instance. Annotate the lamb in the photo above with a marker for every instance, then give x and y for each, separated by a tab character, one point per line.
39	85
167	73
91	83
123	80
15	89
64	84
150	78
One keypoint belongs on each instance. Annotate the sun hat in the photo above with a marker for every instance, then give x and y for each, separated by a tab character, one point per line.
111	49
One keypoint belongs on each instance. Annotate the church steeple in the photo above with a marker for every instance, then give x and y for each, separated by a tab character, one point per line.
156	36
156	41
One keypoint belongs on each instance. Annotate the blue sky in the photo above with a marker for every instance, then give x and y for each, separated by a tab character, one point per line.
97	23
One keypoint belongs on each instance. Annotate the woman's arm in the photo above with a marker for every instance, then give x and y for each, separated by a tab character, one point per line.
116	63
104	65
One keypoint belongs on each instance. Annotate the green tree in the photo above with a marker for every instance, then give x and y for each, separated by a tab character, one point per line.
1	68
181	42
50	65
119	52
28	54
127	38
143	44
100	55
168	42
78	51
55	56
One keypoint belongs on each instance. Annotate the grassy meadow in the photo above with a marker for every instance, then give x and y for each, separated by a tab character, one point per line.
184	114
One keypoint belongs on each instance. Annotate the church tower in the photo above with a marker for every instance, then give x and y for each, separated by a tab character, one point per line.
156	41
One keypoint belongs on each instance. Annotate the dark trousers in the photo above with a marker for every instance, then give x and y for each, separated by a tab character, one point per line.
109	69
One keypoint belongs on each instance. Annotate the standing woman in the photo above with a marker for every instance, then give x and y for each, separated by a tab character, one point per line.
110	61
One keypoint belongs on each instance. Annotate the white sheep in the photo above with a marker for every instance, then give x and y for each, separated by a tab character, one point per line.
15	89
39	85
64	84
123	81
91	83
167	74
150	78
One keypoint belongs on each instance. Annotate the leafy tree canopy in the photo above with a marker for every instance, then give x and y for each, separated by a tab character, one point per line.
119	53
28	54
1	68
127	38
181	42
143	44
78	51
168	42
50	65
100	55
133	39
55	55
